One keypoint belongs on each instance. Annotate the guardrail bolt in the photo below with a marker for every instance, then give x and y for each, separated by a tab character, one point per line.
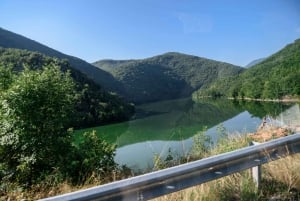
140	196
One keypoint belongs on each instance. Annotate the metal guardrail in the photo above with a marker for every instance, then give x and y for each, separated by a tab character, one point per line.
176	178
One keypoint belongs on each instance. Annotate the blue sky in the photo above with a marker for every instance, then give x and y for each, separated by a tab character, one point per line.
233	31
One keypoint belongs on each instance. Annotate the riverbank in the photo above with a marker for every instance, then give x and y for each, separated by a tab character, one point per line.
283	100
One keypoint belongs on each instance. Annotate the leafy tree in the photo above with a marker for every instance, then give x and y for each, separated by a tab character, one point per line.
6	77
35	112
95	106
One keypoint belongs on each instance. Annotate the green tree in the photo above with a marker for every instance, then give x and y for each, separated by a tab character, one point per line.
35	112
6	77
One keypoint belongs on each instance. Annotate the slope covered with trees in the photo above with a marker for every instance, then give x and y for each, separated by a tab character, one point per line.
168	76
94	107
12	40
278	76
36	145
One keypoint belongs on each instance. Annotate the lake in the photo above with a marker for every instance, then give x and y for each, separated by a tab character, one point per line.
160	127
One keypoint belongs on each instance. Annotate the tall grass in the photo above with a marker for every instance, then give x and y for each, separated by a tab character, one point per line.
279	178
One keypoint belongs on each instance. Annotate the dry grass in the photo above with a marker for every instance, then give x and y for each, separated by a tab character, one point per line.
238	186
285	170
278	177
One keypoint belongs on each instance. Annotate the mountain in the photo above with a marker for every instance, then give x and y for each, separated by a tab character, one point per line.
167	76
254	62
95	106
276	77
12	40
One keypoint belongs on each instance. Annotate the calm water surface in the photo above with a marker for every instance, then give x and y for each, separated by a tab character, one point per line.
160	127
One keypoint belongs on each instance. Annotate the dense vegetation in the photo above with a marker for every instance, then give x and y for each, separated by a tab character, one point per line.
42	99
276	77
167	76
11	40
36	142
94	107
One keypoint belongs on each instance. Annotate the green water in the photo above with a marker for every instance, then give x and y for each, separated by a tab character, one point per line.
170	125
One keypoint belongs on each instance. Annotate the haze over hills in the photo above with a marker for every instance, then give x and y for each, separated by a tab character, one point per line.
254	62
167	76
276	77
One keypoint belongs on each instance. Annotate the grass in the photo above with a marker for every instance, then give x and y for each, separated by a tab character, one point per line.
280	178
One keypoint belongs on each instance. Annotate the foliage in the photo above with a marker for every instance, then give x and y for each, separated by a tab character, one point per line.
168	76
91	156
275	77
36	144
6	77
95	106
11	40
35	112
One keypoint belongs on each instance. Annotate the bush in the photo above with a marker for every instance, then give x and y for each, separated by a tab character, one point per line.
92	157
36	110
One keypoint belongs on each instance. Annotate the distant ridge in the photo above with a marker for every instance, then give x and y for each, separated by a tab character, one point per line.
12	40
167	76
254	62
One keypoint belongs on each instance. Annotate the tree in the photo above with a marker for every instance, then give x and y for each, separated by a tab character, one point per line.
6	77
35	113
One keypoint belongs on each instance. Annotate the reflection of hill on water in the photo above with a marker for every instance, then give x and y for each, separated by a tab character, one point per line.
261	109
170	120
177	120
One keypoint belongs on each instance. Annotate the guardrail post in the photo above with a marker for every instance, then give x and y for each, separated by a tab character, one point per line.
256	171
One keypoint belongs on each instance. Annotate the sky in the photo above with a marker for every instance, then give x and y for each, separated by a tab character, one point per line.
233	31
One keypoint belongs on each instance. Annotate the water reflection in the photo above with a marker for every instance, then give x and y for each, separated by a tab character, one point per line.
161	126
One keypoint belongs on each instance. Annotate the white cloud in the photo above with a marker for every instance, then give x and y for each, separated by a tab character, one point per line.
298	29
195	23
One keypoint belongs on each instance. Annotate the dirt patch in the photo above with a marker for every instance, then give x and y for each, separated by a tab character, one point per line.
266	134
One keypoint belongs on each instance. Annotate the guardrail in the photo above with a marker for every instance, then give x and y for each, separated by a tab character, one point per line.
176	178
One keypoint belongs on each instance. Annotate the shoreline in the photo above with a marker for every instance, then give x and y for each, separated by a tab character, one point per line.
284	100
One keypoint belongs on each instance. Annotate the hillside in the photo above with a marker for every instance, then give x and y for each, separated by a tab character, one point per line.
276	77
12	40
95	107
168	76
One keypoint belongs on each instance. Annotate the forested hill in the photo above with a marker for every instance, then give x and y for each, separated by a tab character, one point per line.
94	107
276	77
12	40
168	76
